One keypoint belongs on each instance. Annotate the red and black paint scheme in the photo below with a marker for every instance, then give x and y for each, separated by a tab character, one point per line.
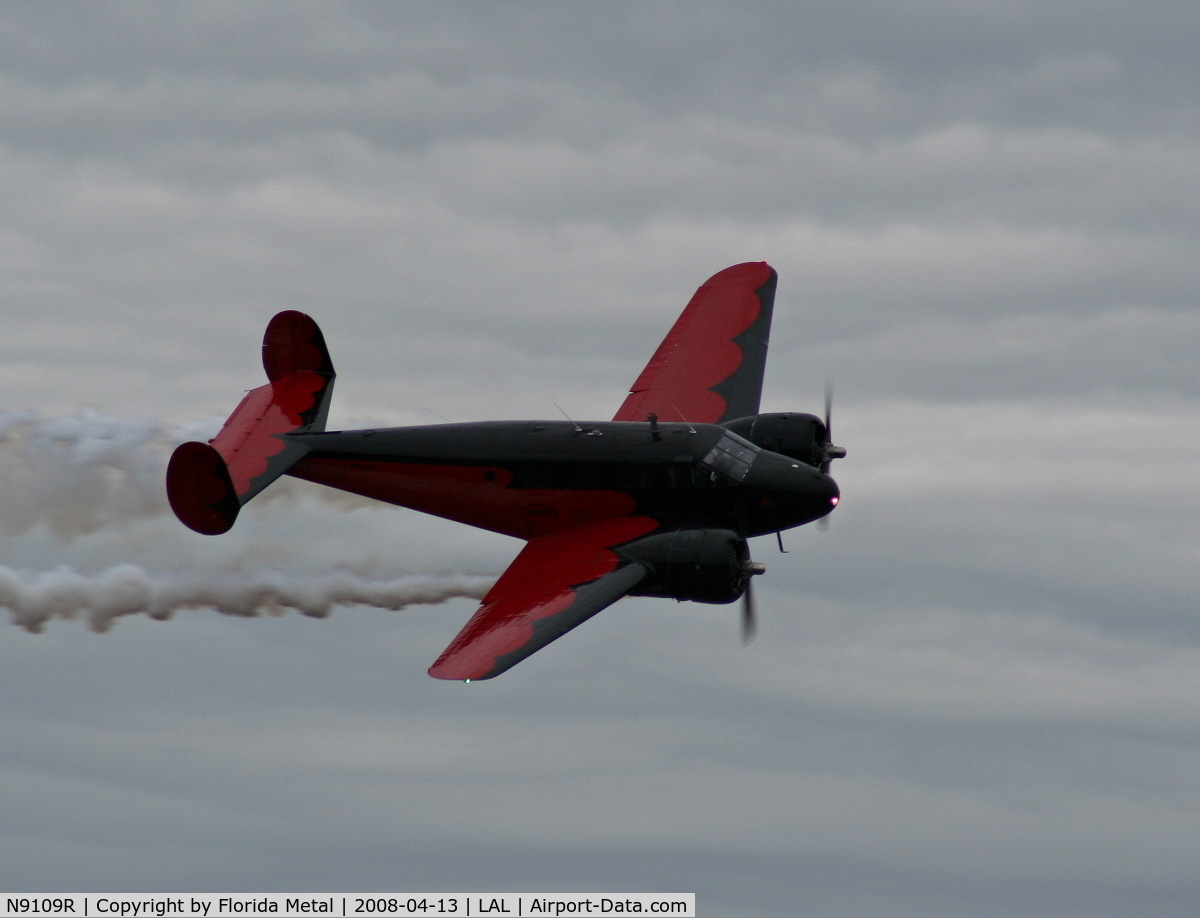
657	502
207	483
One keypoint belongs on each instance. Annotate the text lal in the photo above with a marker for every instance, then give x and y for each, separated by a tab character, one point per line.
556	907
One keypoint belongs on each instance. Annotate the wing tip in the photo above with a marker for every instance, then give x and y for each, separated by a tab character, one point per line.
450	671
759	271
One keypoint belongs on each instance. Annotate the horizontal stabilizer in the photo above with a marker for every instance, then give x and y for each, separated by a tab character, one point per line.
207	484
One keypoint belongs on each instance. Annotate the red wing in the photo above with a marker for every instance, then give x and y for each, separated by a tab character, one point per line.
709	368
555	583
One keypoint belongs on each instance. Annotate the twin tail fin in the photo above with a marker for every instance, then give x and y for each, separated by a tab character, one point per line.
208	483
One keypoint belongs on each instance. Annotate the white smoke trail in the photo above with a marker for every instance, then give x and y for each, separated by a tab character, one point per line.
81	475
86	472
35	598
78	474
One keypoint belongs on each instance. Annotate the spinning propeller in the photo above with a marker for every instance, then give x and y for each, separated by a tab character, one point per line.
749	614
749	610
828	450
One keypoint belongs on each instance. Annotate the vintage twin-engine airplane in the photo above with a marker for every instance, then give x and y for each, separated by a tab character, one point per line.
659	501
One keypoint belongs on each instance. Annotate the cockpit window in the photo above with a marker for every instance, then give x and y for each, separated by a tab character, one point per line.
732	456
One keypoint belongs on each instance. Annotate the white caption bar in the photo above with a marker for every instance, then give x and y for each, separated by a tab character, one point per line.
343	905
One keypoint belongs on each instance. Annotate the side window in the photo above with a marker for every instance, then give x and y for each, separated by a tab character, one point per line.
732	456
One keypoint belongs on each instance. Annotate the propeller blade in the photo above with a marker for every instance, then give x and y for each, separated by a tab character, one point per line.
749	615
831	452
829	411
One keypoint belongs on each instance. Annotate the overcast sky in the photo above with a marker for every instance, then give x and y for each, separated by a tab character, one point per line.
976	694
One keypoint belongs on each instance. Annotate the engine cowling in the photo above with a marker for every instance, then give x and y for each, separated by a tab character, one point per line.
799	436
702	565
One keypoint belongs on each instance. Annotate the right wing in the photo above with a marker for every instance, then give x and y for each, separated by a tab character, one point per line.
709	368
557	582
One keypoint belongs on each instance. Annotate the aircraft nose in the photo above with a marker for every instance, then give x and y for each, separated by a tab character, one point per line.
826	491
815	490
779	473
796	492
834	493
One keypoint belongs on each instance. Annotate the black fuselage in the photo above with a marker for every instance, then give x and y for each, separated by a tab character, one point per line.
529	478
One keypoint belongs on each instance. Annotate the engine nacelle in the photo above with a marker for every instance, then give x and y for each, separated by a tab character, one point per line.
703	565
800	436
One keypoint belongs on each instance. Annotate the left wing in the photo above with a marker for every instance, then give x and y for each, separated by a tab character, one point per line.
556	582
709	368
